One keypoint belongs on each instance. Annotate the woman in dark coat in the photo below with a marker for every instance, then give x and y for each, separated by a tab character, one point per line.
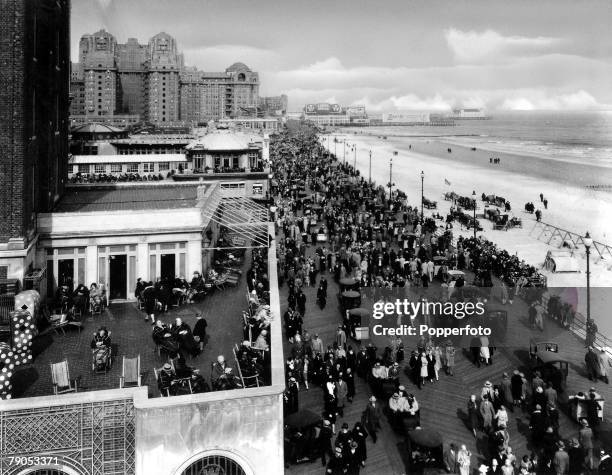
473	414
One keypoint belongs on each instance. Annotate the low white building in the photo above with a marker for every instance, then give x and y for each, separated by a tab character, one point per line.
116	234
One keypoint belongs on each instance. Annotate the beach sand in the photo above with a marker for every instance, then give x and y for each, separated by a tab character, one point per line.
571	206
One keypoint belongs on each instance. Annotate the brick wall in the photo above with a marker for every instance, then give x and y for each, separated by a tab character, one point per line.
34	107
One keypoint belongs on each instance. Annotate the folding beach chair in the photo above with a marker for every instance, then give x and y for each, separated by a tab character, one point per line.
60	376
130	372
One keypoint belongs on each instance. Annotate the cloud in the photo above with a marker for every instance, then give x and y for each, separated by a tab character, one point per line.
219	57
472	46
547	82
104	4
579	100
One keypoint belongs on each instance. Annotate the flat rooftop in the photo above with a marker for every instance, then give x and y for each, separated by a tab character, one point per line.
125	198
131	336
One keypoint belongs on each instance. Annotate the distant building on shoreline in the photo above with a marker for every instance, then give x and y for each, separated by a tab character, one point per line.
473	114
331	115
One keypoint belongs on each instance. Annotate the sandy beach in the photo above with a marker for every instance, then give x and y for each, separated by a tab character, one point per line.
571	205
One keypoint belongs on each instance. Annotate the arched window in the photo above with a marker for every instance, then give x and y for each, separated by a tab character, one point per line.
215	462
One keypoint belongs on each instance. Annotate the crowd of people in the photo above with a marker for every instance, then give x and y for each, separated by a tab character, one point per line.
332	223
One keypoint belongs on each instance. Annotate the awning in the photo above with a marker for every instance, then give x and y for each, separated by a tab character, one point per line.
246	220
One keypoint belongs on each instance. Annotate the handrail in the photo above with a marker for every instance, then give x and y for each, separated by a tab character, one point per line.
574	238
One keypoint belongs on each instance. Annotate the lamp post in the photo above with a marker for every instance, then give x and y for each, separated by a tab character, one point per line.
588	242
474	197
390	176
335	147
370	176
422	195
354	156
344	150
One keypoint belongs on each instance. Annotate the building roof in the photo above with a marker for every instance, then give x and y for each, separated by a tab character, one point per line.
125	198
225	140
238	67
137	158
95	128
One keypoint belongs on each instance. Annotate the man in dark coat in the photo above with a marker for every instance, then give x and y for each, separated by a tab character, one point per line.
592	364
301	302
324	441
371	417
183	334
450	459
199	330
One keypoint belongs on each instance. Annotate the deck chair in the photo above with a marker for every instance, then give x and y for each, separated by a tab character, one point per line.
130	372
247	381
60	376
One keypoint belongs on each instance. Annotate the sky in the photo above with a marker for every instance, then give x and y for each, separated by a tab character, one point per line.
389	55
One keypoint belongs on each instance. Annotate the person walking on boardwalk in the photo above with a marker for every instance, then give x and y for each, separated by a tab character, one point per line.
473	414
487	412
604	364
464	459
371	418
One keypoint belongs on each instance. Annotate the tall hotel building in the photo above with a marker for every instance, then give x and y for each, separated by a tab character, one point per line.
152	83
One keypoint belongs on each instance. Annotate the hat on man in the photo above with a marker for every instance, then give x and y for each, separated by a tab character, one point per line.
167	366
326	422
372	399
402	388
488	384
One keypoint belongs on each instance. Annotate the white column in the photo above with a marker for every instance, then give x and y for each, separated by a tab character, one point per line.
91	264
142	261
193	258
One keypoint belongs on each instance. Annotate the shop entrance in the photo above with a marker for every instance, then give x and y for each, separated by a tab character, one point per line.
118	276
168	266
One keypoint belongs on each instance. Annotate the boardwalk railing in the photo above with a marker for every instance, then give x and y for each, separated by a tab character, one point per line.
578	328
548	232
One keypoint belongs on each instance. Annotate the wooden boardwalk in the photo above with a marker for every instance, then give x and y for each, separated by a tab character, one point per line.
443	404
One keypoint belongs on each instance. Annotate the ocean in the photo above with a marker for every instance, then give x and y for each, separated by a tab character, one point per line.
570	136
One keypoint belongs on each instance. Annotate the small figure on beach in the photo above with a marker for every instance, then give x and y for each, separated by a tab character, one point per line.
545	201
449	150
490	159
541	197
538	215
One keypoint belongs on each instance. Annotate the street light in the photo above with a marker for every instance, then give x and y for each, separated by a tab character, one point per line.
370	179
354	157
588	242
390	177
474	198
422	196
344	151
